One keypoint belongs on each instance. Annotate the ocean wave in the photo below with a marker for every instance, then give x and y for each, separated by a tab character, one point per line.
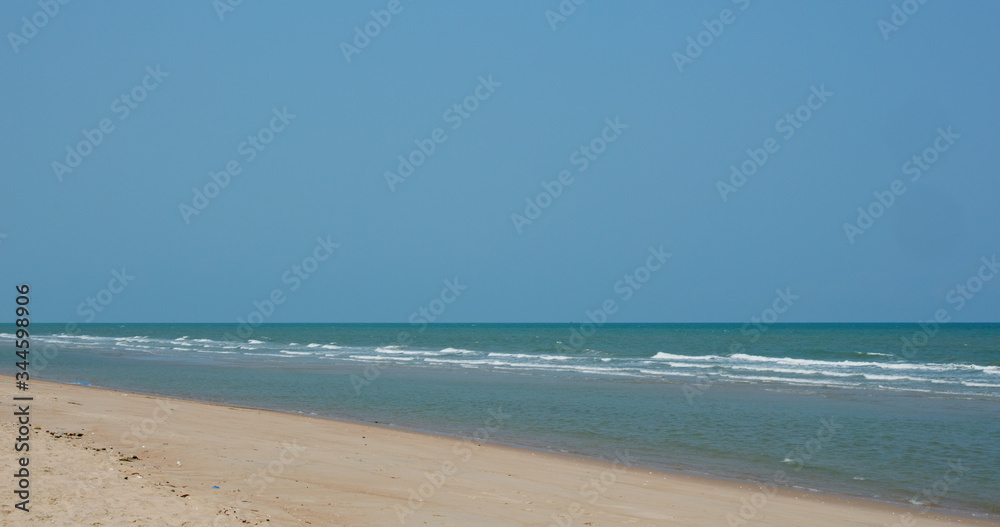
661	373
796	371
381	358
671	356
980	384
788	361
458	351
689	365
528	356
396	350
788	380
866	370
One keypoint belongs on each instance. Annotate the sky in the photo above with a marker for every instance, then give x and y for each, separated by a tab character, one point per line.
519	161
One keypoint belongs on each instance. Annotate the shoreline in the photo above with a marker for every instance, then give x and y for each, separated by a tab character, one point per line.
407	450
951	511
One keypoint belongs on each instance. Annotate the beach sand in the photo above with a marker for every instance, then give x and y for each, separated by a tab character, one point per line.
281	469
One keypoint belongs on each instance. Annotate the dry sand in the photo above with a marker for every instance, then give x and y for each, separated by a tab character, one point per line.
280	469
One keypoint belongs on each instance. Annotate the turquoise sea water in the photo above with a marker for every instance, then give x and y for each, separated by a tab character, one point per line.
896	412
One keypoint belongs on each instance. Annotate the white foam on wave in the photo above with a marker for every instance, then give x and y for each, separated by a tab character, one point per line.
528	356
671	356
458	351
801	362
788	380
287	352
251	341
876	377
795	371
902	366
313	345
689	365
482	362
381	357
980	385
662	373
136	338
786	361
564	367
395	350
331	347
533	366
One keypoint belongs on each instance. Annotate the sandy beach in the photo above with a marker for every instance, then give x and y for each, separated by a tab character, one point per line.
104	457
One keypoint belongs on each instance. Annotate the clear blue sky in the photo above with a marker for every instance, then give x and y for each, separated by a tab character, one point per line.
546	87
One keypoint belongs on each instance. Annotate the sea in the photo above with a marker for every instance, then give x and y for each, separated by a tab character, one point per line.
899	413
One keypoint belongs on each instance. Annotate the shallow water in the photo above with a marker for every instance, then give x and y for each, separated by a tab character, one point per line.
846	408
